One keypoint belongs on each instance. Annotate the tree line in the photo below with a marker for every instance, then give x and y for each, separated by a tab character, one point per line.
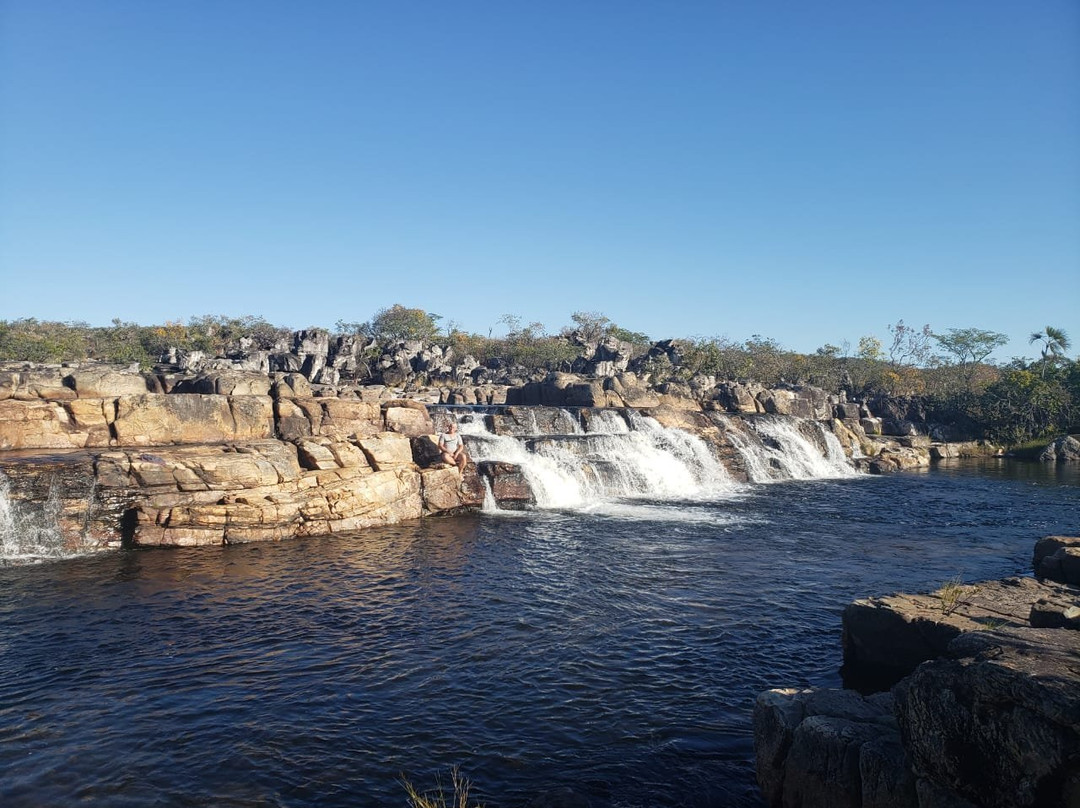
947	371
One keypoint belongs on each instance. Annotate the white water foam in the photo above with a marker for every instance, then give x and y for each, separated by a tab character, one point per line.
30	532
787	454
618	459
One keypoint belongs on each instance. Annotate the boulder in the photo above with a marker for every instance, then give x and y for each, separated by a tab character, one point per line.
826	748
291	385
107	382
1057	558
409	418
1064	449
632	391
586	394
997	722
387	450
979	448
735	397
441	490
509	487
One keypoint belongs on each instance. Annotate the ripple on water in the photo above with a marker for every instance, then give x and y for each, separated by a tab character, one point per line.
616	655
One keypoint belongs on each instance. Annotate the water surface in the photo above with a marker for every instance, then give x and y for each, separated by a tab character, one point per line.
616	650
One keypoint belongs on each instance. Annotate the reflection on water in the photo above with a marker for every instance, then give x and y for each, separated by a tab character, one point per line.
619	656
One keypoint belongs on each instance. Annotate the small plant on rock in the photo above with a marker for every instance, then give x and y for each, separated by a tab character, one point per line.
954	594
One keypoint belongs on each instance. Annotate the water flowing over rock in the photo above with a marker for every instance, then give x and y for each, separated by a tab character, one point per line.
573	440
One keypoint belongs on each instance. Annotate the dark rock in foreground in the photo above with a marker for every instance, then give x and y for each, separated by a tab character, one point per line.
998	721
988	715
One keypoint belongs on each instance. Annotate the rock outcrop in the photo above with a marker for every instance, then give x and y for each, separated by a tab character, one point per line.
997	720
1064	449
202	466
985	712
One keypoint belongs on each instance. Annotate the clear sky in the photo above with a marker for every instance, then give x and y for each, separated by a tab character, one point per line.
807	171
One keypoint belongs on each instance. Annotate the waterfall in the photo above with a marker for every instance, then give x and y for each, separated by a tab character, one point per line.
616	456
30	531
780	448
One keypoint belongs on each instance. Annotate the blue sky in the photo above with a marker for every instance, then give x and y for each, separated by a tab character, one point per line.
808	171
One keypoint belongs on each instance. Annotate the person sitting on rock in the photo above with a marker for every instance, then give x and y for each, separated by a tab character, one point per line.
452	447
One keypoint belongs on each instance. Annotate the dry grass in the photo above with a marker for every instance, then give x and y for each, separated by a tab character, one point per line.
439	797
954	594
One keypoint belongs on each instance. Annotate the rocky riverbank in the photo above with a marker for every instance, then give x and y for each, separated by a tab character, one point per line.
225	455
984	709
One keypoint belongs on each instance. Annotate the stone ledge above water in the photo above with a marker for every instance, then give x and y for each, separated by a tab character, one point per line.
987	712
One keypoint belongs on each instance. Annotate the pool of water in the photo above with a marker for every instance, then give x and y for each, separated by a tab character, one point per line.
616	650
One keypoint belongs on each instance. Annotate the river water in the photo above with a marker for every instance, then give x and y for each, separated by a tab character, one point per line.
615	652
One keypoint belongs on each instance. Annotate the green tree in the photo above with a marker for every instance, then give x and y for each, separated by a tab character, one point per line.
1021	406
970	346
400	323
1055	343
869	349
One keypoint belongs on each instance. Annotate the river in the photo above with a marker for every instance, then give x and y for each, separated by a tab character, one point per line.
616	651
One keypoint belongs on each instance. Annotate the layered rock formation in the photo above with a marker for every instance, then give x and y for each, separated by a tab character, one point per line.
262	460
276	446
986	711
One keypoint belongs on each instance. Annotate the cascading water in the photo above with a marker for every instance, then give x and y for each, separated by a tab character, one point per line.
780	450
30	531
618	456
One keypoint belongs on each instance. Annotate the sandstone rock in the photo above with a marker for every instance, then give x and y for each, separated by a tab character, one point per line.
348	455
440	489
509	487
316	503
291	419
291	385
314	456
408	420
1064	449
886	638
736	397
947	451
388	450
106	382
587	394
38	424
1059	610
342	418
42	383
1057	558
871	426
632	391
151	420
998	721
847	412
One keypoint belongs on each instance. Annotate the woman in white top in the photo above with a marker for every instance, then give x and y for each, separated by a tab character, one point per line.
452	447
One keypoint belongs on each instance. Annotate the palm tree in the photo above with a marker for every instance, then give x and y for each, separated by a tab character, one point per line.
1055	343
